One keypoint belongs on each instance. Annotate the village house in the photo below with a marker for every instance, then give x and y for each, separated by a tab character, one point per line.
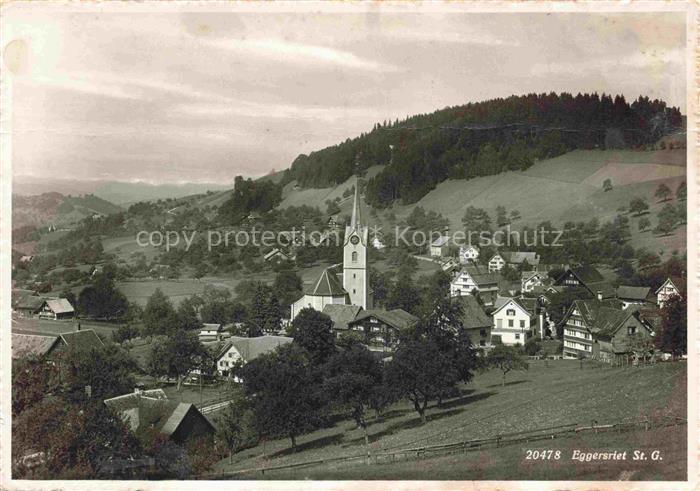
381	327
475	321
211	332
634	295
672	286
601	330
589	278
341	316
496	263
531	279
28	305
377	243
450	265
440	246
238	351
472	278
52	346
519	259
56	309
334	222
276	255
468	254
151	409
513	322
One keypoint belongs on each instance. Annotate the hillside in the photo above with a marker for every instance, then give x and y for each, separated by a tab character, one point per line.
561	189
56	209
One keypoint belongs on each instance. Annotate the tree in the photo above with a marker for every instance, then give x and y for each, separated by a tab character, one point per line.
187	313
607	185
282	386
32	380
667	219
514	215
237	425
673	337
644	224
638	206
501	216
682	212
177	355
352	377
108	371
403	293
159	315
288	287
200	271
682	192
265	315
663	192
102	300
506	358
313	331
420	372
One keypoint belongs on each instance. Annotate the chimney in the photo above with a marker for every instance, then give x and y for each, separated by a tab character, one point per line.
599	295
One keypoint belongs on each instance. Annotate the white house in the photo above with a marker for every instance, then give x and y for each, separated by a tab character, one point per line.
633	295
239	351
496	263
438	248
512	321
468	254
530	279
670	287
211	332
472	278
377	243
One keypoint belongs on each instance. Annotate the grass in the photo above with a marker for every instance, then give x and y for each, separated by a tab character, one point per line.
48	326
559	393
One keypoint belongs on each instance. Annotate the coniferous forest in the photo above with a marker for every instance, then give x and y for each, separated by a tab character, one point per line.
483	138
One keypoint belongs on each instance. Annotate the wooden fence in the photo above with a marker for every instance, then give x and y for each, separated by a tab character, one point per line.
428	451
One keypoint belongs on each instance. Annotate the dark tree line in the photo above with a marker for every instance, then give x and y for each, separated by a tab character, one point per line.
482	138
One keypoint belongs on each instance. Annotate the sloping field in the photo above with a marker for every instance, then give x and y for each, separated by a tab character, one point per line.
560	393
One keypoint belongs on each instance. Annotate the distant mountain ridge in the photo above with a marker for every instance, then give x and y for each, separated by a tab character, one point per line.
117	192
55	209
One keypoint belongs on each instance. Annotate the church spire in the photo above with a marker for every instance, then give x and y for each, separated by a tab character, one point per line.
355	220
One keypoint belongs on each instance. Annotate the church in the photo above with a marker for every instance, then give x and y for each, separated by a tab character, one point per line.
351	287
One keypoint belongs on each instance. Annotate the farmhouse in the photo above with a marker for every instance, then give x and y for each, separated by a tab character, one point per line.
475	321
472	278
381	327
28	305
601	330
589	278
496	263
468	254
633	295
439	247
52	346
151	409
238	351
57	308
450	265
513	322
341	315
672	286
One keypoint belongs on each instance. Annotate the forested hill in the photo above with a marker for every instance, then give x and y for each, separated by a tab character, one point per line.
483	138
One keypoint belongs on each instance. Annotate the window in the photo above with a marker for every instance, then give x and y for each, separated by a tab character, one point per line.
631	330
230	355
354	257
354	275
499	323
353	291
522	324
510	322
517	336
510	312
482	333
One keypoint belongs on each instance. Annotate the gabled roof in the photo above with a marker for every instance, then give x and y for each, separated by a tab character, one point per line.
468	247
251	348
481	276
440	241
639	293
273	253
397	318
327	285
608	320
587	274
676	281
32	344
60	306
341	315
503	301
589	308
473	315
526	275
82	340
131	400
29	302
602	287
211	327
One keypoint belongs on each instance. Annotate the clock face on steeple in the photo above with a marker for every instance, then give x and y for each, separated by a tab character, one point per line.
354	239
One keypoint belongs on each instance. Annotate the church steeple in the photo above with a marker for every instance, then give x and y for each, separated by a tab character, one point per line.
355	275
355	220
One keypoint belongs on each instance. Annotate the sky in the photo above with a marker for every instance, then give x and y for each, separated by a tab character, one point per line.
202	97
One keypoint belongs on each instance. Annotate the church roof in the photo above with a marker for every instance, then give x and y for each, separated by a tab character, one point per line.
327	285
